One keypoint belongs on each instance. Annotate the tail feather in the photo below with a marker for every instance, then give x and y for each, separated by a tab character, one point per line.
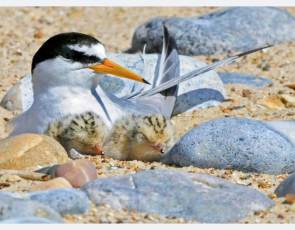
195	73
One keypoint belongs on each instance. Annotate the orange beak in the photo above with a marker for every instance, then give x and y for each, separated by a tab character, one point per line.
110	67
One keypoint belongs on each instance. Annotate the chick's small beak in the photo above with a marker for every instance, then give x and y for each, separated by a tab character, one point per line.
109	67
159	147
97	148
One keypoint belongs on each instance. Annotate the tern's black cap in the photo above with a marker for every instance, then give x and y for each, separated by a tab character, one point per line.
58	46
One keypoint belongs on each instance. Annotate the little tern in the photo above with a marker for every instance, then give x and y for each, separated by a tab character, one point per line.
150	133
65	73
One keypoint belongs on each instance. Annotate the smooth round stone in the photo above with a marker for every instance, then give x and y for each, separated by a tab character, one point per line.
227	30
239	78
286	187
191	196
237	143
12	207
203	91
77	172
52	184
62	200
28	220
29	150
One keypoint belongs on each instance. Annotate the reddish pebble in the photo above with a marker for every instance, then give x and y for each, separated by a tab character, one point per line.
38	35
264	185
52	184
4	184
77	172
226	111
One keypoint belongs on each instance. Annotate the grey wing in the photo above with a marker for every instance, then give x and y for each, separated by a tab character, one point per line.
195	73
147	75
164	101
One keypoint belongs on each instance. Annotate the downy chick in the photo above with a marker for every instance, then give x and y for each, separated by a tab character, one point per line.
83	132
139	137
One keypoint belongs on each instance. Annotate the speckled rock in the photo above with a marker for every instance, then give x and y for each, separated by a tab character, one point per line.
233	29
62	200
192	196
286	187
12	207
237	143
200	92
28	220
239	78
29	150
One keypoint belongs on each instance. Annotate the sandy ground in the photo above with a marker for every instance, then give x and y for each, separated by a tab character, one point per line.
23	30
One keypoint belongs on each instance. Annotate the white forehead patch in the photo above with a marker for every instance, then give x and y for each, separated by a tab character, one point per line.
94	50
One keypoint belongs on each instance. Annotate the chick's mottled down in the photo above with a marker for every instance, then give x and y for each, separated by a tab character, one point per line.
139	138
83	132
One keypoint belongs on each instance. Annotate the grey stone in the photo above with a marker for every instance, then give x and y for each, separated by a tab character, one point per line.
50	170
73	154
12	207
239	78
237	143
235	29
200	92
63	200
286	187
191	196
28	220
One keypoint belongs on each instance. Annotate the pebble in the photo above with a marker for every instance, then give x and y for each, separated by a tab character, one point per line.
113	168
201	92
73	154
192	196
239	144
59	182
13	178
227	30
12	207
287	186
29	150
270	104
239	78
288	100
77	172
50	170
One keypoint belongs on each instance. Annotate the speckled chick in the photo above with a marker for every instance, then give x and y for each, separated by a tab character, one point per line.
139	137
82	132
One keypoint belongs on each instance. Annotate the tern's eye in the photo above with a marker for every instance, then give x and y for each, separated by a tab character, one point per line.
68	53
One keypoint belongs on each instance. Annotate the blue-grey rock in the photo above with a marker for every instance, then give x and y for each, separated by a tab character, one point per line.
28	220
286	187
50	170
237	143
200	92
239	78
227	30
63	200
191	196
12	207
